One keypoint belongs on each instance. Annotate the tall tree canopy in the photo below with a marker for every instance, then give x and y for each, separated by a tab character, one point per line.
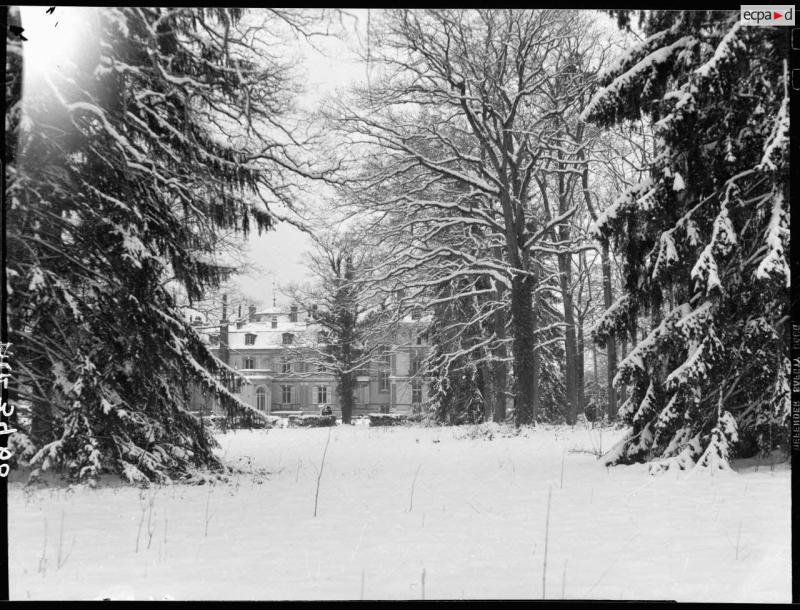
470	119
704	239
159	128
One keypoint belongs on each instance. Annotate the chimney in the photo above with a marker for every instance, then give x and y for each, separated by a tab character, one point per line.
239	317
224	352
251	313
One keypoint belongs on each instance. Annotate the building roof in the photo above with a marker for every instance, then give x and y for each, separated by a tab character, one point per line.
267	337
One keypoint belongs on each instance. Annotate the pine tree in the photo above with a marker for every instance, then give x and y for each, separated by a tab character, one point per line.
120	173
456	361
704	239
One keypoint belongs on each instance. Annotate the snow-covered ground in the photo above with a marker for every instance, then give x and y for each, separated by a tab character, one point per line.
394	503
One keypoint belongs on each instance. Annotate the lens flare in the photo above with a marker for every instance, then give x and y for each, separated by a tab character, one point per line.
52	38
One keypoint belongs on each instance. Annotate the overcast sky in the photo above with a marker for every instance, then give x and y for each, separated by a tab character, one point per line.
333	65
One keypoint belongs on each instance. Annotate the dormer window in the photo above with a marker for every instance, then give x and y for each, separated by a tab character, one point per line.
293	314
274	321
288	338
416	313
249	339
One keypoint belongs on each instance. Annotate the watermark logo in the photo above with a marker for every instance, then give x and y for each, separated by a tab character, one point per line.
767	14
6	410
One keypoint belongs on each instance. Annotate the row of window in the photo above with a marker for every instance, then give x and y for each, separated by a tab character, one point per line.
288	338
383	375
288	396
286	367
249	363
321	394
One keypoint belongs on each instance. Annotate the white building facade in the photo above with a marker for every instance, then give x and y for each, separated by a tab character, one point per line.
278	351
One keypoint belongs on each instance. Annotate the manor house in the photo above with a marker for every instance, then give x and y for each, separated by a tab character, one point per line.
278	351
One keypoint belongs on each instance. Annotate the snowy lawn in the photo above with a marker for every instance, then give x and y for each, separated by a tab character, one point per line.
394	503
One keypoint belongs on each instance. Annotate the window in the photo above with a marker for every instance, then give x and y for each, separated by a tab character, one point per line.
416	391
261	398
293	314
321	336
416	313
362	394
286	366
274	321
213	339
422	338
322	367
249	339
287	338
322	395
248	363
383	381
286	394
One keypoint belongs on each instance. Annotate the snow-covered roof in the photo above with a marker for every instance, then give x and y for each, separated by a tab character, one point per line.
190	314
267	337
424	319
274	311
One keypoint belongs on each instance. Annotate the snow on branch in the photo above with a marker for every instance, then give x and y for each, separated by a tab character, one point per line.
775	263
606	97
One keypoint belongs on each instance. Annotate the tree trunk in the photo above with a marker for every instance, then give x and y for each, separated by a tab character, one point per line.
347	395
523	348
536	363
579	361
570	341
611	345
623	394
484	387
499	366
